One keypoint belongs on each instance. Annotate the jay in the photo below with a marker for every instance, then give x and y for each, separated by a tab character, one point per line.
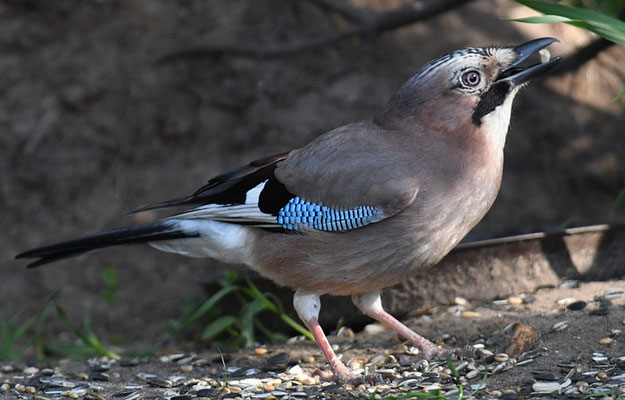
362	207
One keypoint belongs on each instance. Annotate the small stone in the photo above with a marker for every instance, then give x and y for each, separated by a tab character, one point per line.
20	388
501	357
261	351
30	370
606	341
186	368
602	375
582	386
306	380
470	314
515	300
374	329
546	387
565	301
345	332
30	390
309	359
378	360
76	393
570	284
5	387
560	326
251	382
472	374
145	375
268	387
461	301
295	370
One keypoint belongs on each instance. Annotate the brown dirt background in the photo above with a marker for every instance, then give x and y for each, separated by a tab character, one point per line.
92	127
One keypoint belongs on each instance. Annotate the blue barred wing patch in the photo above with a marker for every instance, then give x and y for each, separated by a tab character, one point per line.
298	213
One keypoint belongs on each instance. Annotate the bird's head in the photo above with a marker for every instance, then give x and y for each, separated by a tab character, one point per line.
468	88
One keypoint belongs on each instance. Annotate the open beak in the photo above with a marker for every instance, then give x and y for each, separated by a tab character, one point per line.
517	74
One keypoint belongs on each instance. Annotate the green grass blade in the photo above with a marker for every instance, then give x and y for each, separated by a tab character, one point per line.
277	309
218	326
605	26
87	337
618	96
247	320
620	199
209	305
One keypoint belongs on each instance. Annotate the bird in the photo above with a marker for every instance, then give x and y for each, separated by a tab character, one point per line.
362	207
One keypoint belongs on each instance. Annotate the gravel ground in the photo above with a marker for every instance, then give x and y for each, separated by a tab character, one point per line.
563	342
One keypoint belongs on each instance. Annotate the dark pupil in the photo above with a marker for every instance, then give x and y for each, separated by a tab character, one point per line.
471	78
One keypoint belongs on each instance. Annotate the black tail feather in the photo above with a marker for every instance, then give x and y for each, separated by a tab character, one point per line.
162	230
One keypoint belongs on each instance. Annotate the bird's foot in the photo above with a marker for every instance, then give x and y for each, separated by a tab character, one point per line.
439	353
345	376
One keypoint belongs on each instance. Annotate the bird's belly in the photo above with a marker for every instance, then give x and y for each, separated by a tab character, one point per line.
372	257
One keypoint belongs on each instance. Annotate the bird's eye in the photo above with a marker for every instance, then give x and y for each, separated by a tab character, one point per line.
471	78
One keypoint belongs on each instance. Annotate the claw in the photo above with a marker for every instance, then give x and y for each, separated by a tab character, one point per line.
345	377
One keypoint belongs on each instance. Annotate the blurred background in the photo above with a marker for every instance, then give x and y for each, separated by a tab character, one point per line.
110	105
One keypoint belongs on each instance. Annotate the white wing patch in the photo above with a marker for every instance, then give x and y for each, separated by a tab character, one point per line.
235	213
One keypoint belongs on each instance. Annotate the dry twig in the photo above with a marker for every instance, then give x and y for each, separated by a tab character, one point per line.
367	23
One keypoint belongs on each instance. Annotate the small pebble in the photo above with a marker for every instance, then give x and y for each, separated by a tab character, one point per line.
515	300
186	368
570	284
606	341
546	387
267	387
566	301
472	374
582	386
470	314
374	329
345	332
30	370
261	351
501	357
5	387
560	326
602	375
461	301
305	379
295	370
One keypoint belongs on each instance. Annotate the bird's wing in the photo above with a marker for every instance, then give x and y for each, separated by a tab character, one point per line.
336	183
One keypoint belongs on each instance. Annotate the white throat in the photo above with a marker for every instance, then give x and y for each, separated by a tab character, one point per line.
496	122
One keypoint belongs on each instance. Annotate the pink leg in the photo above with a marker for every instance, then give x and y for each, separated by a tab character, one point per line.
307	306
339	370
371	305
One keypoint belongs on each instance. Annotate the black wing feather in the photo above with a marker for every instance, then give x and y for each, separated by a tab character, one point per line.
230	187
